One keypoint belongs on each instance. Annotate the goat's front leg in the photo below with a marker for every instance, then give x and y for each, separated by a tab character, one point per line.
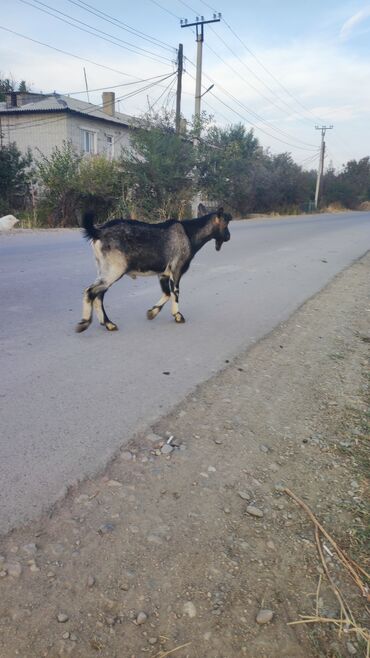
165	285
101	313
175	292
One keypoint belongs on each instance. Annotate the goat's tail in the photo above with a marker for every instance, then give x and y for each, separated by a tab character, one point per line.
90	231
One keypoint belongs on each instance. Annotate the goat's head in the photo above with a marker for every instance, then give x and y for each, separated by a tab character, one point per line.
222	233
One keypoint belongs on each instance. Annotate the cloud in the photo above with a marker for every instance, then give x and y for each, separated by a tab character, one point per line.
352	22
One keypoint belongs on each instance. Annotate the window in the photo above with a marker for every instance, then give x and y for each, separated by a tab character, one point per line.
109	147
88	141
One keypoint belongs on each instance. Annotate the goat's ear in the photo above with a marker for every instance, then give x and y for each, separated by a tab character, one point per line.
202	210
220	212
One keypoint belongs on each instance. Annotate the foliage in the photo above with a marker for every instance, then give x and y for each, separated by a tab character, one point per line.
71	183
351	186
14	178
58	174
9	84
99	184
158	170
236	171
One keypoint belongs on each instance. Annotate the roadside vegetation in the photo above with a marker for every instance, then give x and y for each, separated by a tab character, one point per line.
161	174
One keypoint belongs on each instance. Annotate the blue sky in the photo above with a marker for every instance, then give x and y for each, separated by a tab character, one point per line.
279	67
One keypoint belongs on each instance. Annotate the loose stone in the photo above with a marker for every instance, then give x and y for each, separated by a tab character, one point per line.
62	617
141	618
264	616
189	609
166	449
254	511
105	528
14	569
126	456
90	581
244	495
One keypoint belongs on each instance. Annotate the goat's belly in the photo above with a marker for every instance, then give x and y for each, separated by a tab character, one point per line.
134	273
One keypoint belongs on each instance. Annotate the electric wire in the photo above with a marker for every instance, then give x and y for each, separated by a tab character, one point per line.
118	23
28	123
152	56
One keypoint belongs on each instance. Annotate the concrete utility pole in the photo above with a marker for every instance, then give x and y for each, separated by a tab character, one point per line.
179	86
320	170
199	25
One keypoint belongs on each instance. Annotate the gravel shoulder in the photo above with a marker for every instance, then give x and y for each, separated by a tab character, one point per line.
186	545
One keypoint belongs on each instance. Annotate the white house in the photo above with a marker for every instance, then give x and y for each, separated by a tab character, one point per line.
41	122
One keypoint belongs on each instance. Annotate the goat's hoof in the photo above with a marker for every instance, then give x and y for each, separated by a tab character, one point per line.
82	326
111	326
179	318
152	313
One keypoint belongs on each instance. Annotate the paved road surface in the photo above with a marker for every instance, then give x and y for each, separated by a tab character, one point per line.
69	401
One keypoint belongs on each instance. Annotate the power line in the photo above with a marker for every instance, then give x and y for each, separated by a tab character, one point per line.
152	56
65	52
27	124
118	23
245	108
256	116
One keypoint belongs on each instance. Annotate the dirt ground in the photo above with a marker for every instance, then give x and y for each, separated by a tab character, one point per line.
181	543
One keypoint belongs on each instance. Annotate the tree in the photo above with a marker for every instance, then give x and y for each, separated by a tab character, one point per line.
9	84
227	163
158	169
59	177
14	178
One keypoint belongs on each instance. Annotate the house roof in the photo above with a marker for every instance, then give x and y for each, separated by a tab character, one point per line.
59	103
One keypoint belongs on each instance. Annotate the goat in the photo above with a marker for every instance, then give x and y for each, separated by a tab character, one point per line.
124	246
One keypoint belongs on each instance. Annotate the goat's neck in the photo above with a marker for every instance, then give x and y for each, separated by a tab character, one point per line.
199	232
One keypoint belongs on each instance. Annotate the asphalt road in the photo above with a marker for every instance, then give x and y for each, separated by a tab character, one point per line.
69	401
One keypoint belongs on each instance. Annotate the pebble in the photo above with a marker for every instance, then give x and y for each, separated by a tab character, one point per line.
62	617
153	437
351	649
90	581
141	618
264	448
3	573
114	483
29	549
153	640
166	449
244	495
211	469
105	528
218	442
126	456
73	637
264	616
273	467
14	569
254	511
65	636
189	609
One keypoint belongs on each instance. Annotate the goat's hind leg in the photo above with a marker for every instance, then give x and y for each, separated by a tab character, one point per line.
175	292
165	285
93	297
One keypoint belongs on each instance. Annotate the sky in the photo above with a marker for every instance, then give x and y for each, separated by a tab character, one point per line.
279	67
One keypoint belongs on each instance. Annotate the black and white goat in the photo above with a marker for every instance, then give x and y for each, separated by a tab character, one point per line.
124	246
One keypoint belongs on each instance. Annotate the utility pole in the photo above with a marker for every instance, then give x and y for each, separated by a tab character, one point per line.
179	86
199	26
320	170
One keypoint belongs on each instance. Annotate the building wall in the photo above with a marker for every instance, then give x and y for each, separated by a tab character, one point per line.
101	130
42	132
